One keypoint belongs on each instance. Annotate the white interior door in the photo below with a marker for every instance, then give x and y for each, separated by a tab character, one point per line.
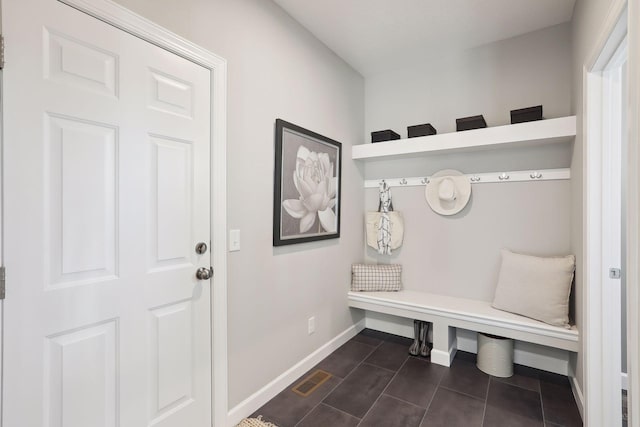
605	136
613	106
107	172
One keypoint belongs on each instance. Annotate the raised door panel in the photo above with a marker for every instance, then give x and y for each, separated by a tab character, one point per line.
81	374
171	359
80	64
171	203
82	223
170	94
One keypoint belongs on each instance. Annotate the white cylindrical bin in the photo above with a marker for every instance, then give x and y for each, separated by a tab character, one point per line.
495	355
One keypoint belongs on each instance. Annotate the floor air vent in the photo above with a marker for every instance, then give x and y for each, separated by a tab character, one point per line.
307	386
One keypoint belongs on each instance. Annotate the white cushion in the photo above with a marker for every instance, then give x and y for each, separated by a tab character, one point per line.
535	287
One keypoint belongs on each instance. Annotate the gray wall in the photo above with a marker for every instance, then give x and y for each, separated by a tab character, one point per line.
588	19
491	80
276	70
460	255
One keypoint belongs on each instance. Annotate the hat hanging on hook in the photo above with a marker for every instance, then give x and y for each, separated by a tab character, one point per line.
448	192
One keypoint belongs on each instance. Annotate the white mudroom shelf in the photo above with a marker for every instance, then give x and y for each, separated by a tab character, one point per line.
549	131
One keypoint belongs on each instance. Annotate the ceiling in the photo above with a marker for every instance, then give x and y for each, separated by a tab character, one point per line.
374	36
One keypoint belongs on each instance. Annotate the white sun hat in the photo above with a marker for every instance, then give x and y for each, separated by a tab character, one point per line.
448	191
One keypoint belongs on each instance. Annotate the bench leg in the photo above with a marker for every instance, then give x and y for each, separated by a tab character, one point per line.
444	344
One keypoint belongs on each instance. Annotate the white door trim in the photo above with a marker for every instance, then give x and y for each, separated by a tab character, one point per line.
633	216
1	238
597	378
120	17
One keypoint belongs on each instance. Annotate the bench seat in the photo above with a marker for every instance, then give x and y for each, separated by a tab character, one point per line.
448	313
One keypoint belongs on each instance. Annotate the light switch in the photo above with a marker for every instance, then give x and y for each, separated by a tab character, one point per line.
234	240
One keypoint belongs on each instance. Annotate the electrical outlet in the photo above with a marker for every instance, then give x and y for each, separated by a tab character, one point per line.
312	325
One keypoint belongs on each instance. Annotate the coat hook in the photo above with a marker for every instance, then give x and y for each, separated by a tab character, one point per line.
536	175
475	178
424	181
403	182
503	176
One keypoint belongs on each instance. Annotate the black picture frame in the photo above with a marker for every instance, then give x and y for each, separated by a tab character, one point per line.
307	186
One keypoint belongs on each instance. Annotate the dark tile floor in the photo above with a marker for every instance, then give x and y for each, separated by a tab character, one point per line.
376	383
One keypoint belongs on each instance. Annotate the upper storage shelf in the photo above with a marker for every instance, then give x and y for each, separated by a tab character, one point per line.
550	131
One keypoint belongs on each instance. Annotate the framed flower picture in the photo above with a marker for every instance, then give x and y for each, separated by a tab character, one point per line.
306	204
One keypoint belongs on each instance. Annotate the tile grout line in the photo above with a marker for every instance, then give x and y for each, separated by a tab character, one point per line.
344	412
402	400
320	403
341	380
539	392
366	356
383	390
433	396
380	367
544	421
362	362
374	348
516	385
486	401
464	394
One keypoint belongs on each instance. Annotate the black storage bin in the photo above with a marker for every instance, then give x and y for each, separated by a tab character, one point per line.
468	123
529	114
421	130
384	135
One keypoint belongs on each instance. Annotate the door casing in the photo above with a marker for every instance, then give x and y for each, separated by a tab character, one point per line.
633	214
600	376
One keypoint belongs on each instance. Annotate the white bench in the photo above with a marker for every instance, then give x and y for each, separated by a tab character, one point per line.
448	313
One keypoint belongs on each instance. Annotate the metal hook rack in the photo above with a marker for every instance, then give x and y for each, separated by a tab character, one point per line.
480	178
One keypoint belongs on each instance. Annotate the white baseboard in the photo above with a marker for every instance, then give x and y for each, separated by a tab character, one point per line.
269	391
443	358
577	395
527	354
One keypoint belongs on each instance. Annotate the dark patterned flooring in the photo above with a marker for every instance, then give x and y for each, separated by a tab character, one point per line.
376	383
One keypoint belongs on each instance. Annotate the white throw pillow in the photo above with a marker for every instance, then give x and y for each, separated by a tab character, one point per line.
535	287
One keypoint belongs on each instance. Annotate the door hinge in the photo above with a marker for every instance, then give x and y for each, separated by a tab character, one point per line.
615	273
2	282
1	52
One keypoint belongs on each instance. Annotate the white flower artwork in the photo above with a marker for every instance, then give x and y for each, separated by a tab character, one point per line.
316	185
307	186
